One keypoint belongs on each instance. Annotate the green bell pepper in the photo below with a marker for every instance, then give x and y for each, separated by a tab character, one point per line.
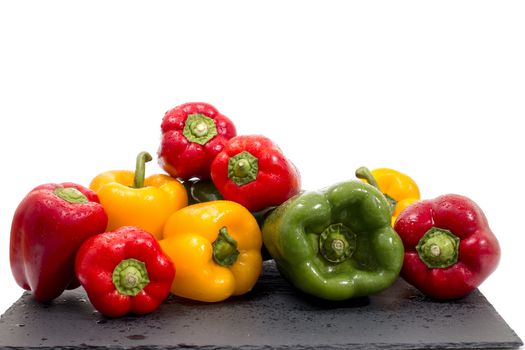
336	243
201	191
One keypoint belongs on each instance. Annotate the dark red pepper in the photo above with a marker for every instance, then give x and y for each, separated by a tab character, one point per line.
124	271
48	227
253	171
192	135
449	247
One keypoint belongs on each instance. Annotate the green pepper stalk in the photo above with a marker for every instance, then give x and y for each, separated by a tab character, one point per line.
365	174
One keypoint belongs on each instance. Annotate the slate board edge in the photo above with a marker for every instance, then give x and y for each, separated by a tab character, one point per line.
519	341
377	346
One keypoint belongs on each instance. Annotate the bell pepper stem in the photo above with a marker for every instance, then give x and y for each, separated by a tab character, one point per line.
140	169
71	195
130	276
337	243
199	128
225	251
365	174
438	248
243	168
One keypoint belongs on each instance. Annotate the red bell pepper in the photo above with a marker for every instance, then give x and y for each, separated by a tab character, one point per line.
252	170
48	227
192	135
449	247
124	271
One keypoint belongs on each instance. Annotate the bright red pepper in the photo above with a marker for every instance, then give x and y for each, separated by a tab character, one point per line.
124	271
192	135
252	171
449	247
48	227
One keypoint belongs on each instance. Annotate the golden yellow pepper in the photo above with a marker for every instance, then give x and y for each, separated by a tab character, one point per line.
216	249
400	189
130	199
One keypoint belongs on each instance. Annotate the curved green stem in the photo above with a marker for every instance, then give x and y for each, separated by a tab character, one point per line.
140	169
365	174
225	251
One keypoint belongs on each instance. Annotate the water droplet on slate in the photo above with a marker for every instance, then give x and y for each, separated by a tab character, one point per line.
136	337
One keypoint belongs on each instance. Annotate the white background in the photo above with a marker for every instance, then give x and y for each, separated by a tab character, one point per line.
434	89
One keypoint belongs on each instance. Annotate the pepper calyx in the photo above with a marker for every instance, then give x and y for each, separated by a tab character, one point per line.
225	251
243	168
199	128
71	195
337	243
130	276
438	248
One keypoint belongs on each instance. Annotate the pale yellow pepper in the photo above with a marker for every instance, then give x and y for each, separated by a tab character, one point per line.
400	189
129	199
216	248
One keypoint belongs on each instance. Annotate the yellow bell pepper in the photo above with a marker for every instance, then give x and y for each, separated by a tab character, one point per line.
216	249
400	189
129	199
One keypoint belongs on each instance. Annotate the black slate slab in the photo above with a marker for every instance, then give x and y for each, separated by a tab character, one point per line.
273	315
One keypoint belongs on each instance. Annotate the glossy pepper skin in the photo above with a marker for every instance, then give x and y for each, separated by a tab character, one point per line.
450	249
253	171
192	135
216	247
200	191
400	189
132	200
336	243
124	271
48	227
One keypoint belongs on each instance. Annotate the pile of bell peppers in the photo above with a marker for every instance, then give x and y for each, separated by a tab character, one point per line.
225	203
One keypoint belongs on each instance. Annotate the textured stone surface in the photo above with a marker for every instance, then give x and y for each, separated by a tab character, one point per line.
273	315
